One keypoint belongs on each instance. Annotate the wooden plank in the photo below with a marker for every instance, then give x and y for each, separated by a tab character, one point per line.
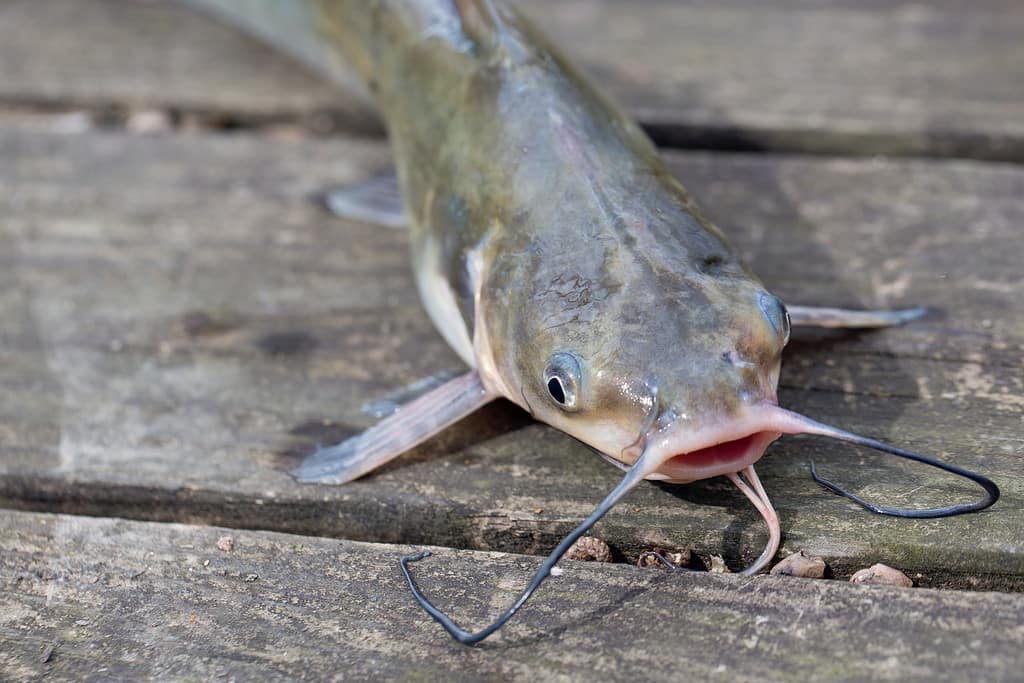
864	78
112	599
131	53
183	322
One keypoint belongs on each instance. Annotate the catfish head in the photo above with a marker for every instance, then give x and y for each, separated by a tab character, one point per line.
643	336
640	334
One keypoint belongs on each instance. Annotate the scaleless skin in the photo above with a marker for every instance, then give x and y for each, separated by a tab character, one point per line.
555	253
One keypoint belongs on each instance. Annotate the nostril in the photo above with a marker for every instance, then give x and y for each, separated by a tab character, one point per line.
712	263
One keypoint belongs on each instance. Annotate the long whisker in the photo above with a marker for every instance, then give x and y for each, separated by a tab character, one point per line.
652	414
794	423
757	495
634	476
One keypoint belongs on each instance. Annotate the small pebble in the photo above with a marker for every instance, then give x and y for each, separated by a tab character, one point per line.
250	578
150	122
225	544
556	571
882	575
680	559
48	651
718	565
72	122
286	132
802	565
590	549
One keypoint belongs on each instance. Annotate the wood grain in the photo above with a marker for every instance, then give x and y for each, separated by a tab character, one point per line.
863	78
183	322
112	599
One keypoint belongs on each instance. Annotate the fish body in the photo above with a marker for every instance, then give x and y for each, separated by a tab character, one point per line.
547	234
557	255
543	222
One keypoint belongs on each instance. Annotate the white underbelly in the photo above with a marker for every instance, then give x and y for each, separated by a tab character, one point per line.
439	300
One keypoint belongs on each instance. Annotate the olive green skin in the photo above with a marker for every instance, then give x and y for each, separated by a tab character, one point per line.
548	216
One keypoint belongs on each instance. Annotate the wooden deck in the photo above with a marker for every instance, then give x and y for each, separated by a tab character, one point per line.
132	600
182	321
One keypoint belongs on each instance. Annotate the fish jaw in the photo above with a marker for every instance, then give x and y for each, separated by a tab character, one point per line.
722	458
681	455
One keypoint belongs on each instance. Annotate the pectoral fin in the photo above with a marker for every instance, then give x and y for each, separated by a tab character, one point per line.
377	200
390	403
392	436
812	316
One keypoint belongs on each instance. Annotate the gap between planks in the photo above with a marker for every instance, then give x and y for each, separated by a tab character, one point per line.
83	597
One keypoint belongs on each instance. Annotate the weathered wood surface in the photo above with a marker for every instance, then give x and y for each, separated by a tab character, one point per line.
103	599
853	77
182	322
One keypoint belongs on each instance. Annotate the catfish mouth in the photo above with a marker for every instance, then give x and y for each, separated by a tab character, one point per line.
719	458
680	454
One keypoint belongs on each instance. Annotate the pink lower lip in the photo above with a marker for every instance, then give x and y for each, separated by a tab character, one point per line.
718	459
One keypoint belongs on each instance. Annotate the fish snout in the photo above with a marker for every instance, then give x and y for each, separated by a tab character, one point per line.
750	374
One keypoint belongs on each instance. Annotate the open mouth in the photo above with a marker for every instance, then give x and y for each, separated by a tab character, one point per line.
679	456
720	458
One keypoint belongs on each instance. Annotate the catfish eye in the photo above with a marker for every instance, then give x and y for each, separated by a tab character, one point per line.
777	315
563	377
